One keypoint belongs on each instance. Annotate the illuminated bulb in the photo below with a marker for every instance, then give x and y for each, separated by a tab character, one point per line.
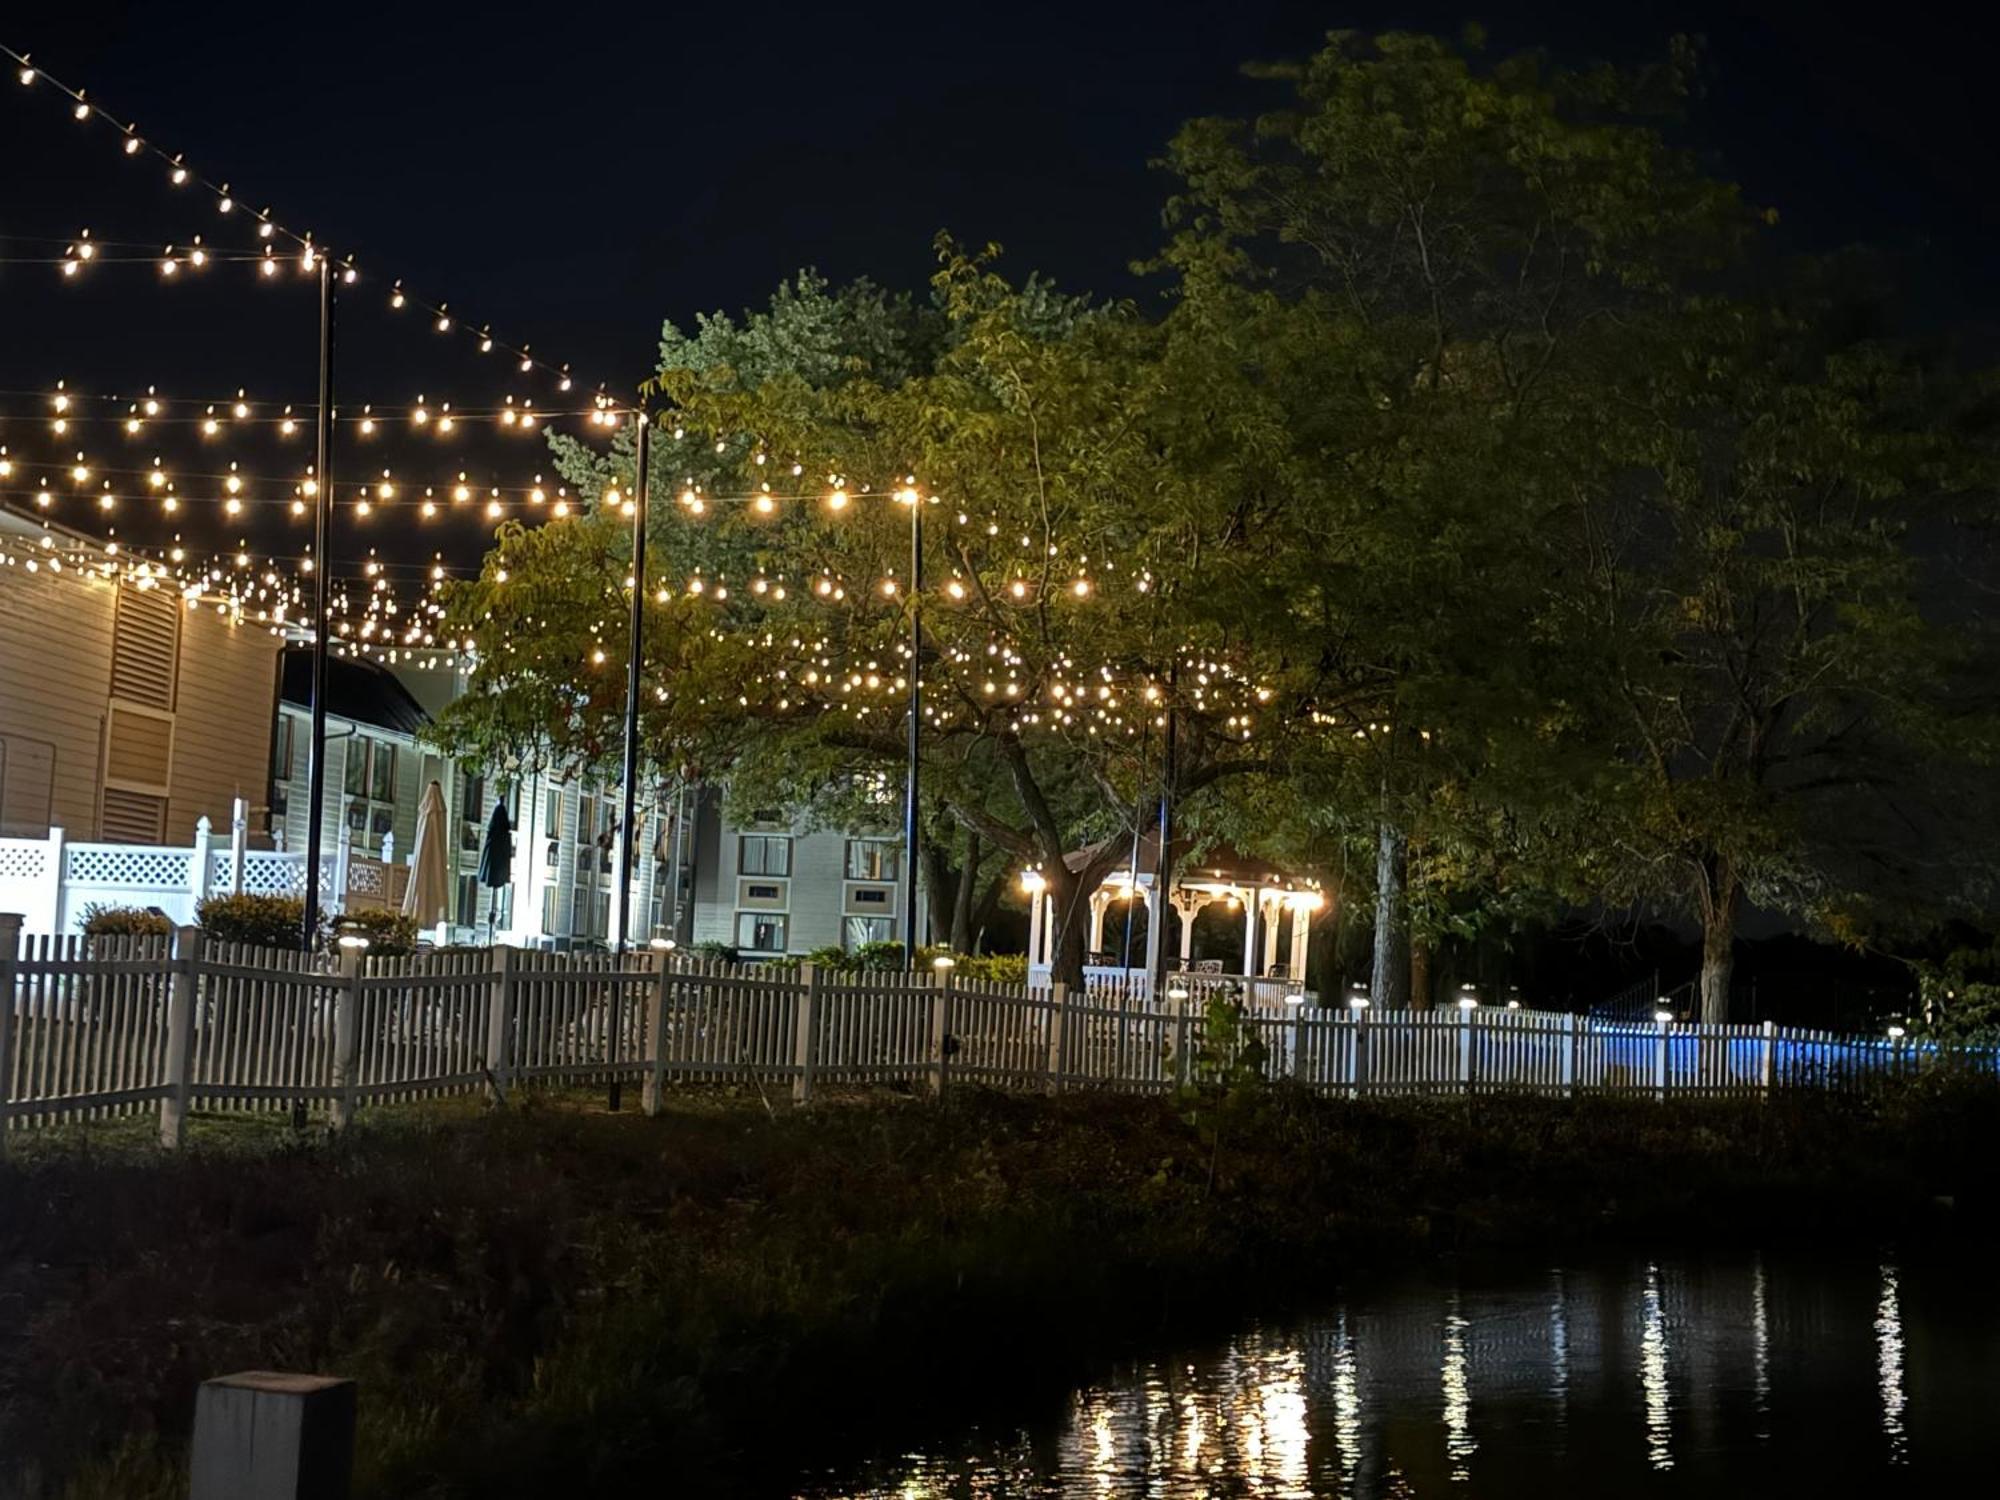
889	587
265	227
837	500
69	268
420	416
765	505
535	496
906	496
955	589
443	322
240	410
396	296
270	266
26	75
227	204
485	343
527	363
1081	587
492	510
169	265
232	505
82	110
131	145
1018	589
210	426
180	175
612	496
61	403
170	505
197	256
460	494
80	474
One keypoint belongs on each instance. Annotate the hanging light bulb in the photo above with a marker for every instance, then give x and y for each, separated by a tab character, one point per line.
179	174
82	110
396	295
131	145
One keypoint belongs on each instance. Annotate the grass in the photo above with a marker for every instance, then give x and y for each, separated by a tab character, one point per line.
549	1295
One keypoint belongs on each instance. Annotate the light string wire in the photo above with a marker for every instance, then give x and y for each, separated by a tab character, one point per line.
180	174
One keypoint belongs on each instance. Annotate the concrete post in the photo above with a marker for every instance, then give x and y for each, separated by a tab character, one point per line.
1250	934
183	978
346	1037
1465	1015
500	1024
1569	1051
239	842
1769	1070
805	1033
1034	931
652	1091
1660	1061
1358	1078
1058	1037
262	1435
10	952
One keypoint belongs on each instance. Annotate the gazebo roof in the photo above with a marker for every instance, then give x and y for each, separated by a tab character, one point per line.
1224	864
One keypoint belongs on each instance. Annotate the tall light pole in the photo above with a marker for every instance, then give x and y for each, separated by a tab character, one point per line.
916	716
322	526
635	651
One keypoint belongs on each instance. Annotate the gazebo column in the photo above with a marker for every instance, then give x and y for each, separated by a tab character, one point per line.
1187	906
1100	902
1249	933
1272	903
1301	934
1037	910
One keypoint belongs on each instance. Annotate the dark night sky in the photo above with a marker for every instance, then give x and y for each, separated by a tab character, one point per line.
576	175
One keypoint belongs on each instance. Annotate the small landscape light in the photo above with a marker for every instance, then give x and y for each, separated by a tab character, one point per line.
1896	1033
1357	1002
661	945
944	961
1663	1017
1468	1002
1177	989
353	940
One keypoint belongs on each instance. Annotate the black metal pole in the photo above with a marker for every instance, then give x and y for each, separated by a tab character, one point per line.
1132	889
916	717
1163	862
635	648
322	526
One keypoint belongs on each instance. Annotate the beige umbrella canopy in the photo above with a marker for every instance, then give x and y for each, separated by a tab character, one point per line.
429	890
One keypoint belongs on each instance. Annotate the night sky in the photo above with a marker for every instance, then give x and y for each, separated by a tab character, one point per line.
575	175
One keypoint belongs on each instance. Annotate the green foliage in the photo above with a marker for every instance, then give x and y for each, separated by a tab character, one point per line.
390	934
714	951
100	919
265	921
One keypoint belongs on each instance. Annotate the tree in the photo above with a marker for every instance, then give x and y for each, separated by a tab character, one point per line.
1430	259
1786	690
1071	510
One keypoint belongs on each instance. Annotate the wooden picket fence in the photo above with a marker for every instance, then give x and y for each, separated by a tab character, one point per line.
92	1028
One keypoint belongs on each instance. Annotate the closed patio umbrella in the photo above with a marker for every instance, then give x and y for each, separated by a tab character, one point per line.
429	890
496	860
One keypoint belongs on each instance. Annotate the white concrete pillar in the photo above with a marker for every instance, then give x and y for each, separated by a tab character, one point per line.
1100	901
1250	933
1272	902
1301	926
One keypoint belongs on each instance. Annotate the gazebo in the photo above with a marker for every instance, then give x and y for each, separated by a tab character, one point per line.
1276	904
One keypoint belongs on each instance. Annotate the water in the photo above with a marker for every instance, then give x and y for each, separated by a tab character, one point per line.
1669	1377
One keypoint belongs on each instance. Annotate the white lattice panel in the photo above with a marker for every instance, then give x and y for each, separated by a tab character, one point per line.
133	867
24	859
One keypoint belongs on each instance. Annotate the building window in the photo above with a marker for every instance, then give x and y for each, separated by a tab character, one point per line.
765	854
760	932
871	859
369	779
859	932
549	894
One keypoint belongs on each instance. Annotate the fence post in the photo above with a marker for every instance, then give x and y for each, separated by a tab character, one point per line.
500	1024
1660	1060
1569	1048
1769	1070
656	1035
1465	1015
239	841
58	883
346	1037
940	983
10	951
198	866
343	853
1298	1044
803	1033
1058	1035
1358	1074
183	976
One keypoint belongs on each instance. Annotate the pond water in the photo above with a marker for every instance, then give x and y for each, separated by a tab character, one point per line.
1711	1377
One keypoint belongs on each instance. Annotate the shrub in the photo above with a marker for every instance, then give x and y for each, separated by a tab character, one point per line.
390	934
267	921
103	920
878	957
719	952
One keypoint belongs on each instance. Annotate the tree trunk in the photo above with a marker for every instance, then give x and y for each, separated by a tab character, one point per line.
1722	898
961	906
937	884
1389	987
1420	974
1071	914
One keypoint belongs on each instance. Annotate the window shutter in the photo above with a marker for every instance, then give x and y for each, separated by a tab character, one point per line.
145	649
134	817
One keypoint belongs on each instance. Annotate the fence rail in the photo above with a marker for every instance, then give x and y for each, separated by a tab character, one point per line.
92	1028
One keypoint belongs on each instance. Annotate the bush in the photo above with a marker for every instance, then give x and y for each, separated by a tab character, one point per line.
390	934
266	921
100	919
719	952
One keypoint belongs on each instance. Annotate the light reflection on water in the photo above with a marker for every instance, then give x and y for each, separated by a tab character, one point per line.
1705	1376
